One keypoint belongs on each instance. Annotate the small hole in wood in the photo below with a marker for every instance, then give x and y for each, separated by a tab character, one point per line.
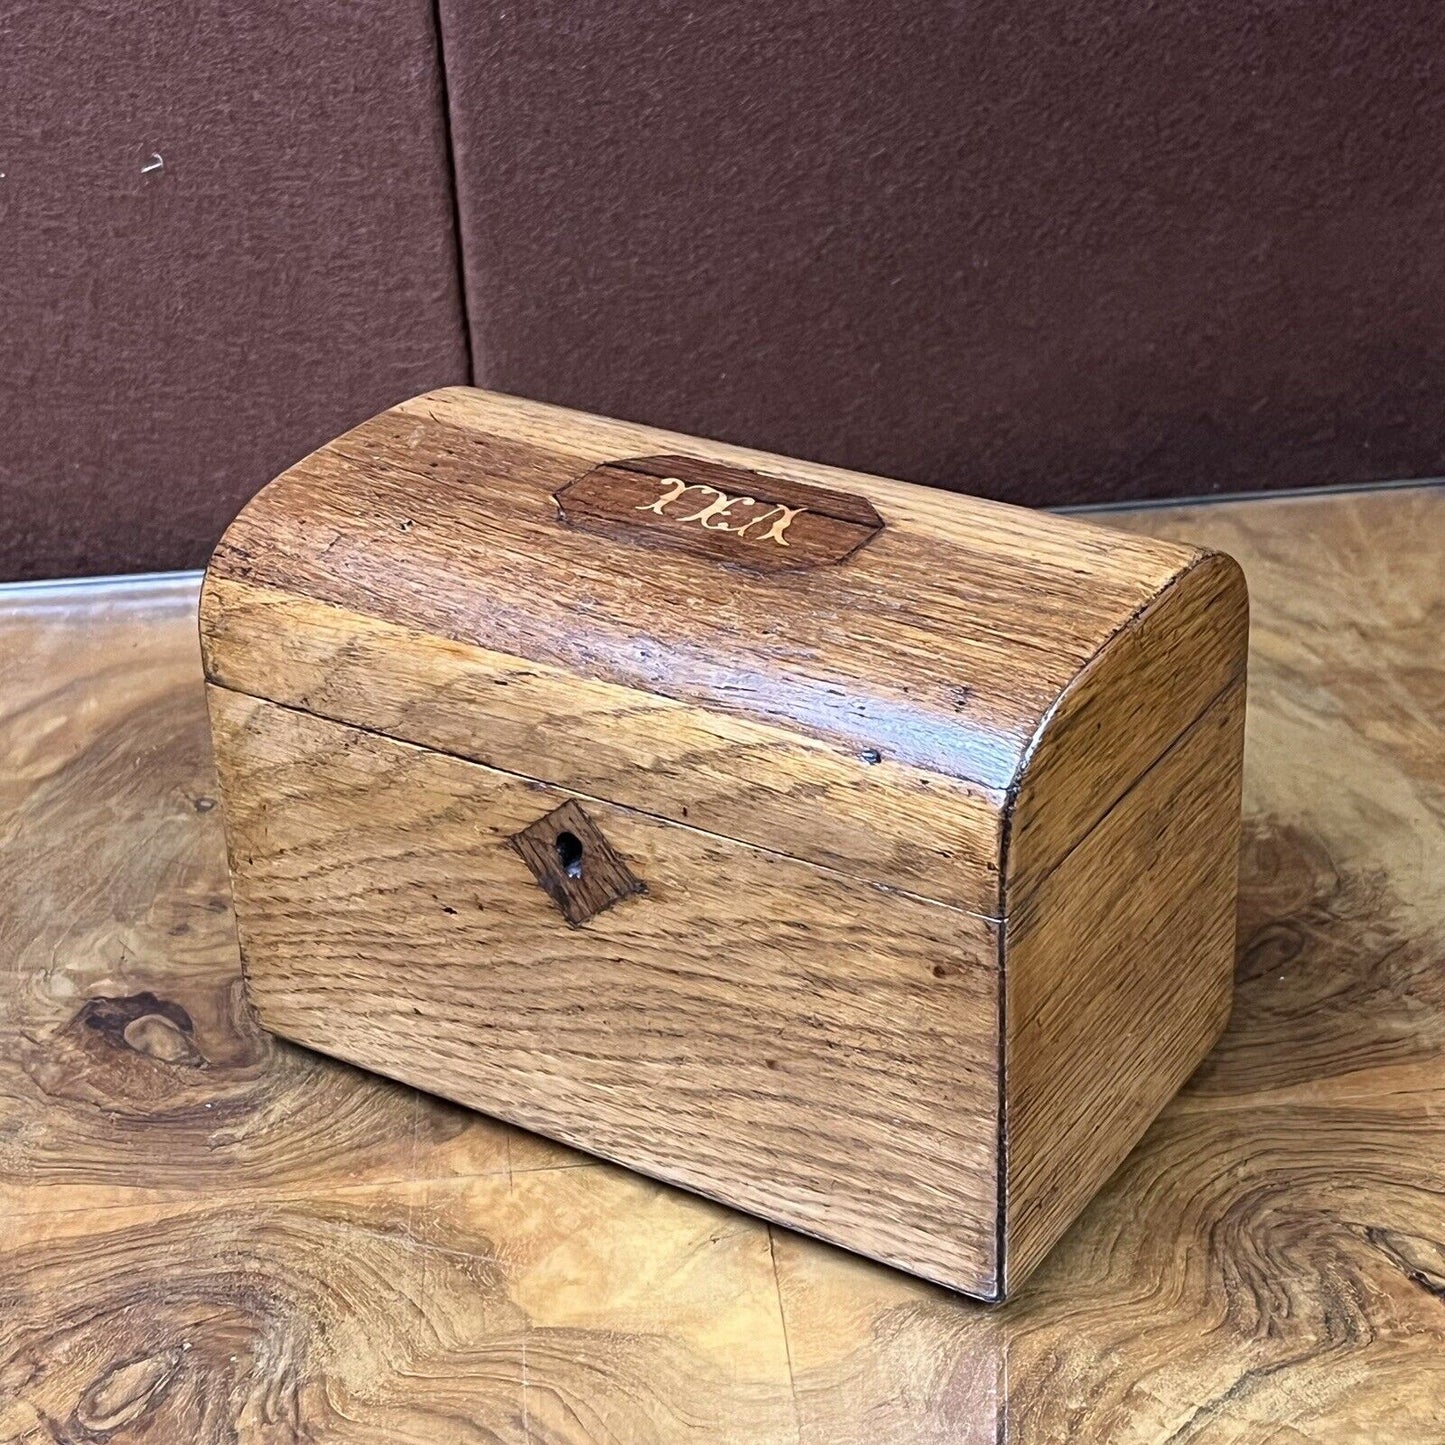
569	854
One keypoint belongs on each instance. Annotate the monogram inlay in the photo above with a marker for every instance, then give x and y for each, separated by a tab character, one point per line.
741	518
713	514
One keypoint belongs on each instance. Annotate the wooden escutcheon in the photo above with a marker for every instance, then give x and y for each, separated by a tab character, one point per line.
577	867
742	518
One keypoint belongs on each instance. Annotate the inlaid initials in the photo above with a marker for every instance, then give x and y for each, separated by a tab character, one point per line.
741	518
721	505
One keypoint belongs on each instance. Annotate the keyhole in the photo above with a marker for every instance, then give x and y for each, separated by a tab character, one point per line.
569	854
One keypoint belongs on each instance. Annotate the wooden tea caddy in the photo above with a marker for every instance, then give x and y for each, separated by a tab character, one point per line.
857	854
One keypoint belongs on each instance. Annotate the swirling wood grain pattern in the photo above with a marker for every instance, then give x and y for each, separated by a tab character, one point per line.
1269	1265
210	1236
130	1064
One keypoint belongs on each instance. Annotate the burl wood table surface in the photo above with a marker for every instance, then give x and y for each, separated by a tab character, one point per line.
212	1236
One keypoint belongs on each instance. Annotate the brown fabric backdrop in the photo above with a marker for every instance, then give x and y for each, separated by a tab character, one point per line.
1046	252
172	340
1051	252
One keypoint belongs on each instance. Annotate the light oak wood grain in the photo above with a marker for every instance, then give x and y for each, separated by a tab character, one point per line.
1127	707
1115	992
910	700
1267	1265
941	646
758	782
829	1059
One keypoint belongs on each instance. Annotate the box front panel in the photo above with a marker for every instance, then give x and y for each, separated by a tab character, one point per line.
781	1037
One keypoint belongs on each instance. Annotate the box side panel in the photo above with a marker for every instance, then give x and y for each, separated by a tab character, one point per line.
882	821
1119	970
1135	697
766	1032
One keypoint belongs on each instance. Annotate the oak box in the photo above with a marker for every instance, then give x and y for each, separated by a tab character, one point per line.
857	854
